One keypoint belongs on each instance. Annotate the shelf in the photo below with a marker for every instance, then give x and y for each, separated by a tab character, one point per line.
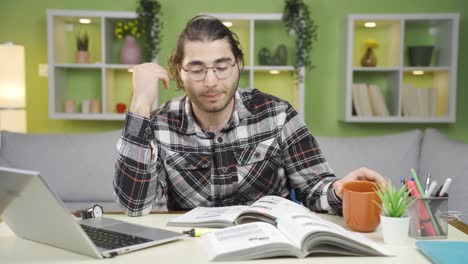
103	81
257	31
78	65
423	93
80	116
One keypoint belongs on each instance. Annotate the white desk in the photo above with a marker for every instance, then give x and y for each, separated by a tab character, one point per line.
189	250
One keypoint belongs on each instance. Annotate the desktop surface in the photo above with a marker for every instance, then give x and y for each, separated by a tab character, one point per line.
189	250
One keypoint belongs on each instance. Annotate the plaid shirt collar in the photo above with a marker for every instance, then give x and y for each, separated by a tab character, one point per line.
185	108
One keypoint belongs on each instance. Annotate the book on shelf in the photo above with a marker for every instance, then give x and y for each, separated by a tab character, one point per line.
368	100
361	99
377	101
419	101
273	227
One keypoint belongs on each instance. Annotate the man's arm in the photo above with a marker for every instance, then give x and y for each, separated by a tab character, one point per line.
139	174
308	171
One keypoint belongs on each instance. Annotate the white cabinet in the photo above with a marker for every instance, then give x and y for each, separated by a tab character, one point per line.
102	82
413	86
267	31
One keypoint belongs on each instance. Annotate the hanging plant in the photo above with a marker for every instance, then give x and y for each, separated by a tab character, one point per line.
297	19
151	25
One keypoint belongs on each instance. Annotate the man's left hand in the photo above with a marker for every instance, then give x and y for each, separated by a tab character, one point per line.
361	174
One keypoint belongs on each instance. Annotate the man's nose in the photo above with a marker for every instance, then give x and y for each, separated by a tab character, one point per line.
210	78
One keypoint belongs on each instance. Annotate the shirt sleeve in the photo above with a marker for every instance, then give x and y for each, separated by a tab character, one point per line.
139	180
308	171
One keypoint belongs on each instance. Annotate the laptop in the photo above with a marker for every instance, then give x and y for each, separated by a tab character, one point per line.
34	212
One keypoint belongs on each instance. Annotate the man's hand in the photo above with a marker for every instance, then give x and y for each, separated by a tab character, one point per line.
145	87
361	174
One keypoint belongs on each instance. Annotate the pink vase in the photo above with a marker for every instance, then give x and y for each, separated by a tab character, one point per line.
130	52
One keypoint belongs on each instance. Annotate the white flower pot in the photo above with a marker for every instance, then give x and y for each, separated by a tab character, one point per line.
394	229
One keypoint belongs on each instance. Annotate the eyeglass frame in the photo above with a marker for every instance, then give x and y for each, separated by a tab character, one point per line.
212	68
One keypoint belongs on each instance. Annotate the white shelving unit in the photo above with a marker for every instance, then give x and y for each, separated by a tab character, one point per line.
393	74
248	26
103	79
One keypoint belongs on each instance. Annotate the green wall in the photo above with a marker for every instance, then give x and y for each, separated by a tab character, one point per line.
24	21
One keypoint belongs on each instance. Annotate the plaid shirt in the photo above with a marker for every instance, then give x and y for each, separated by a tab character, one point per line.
264	149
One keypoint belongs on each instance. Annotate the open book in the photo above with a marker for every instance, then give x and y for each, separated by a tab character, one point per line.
266	209
271	227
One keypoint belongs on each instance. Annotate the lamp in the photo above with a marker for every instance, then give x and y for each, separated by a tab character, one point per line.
12	88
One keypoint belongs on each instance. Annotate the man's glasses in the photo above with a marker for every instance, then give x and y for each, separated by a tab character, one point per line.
221	70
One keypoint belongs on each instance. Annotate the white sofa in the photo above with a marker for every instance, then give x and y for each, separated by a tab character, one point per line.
80	167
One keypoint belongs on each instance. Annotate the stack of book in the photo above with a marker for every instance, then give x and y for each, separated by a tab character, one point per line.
419	101
368	100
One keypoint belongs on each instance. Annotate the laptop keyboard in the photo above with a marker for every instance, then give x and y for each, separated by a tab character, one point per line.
111	240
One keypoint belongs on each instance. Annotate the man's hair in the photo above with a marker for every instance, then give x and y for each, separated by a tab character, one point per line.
202	28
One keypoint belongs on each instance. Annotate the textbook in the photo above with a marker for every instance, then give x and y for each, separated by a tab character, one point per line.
272	227
444	252
266	209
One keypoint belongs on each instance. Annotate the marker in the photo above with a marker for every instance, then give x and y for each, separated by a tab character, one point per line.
431	189
445	187
428	180
197	232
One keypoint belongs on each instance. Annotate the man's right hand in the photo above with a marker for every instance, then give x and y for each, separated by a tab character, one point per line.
146	78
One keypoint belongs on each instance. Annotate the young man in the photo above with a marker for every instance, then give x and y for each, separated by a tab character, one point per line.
218	145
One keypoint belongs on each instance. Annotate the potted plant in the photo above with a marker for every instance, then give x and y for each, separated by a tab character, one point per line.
149	17
129	30
82	54
394	218
296	17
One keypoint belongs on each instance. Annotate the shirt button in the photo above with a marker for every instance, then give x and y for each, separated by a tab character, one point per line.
257	155
224	169
148	130
220	139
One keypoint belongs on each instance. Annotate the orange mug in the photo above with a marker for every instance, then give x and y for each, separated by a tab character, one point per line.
360	212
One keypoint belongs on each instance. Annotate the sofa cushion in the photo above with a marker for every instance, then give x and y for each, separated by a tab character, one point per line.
391	155
446	158
78	167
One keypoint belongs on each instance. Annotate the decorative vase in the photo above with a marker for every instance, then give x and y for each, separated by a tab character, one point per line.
281	55
264	56
369	59
82	56
130	52
394	229
420	55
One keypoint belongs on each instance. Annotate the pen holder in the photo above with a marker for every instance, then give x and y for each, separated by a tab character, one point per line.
429	218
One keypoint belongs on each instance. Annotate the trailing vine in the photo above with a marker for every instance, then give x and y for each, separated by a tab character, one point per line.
148	16
296	17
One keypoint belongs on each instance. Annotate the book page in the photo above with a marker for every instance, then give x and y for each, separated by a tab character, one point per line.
314	234
248	241
269	209
209	217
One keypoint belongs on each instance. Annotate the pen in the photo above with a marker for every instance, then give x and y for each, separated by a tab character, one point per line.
428	180
196	232
445	187
431	189
403	181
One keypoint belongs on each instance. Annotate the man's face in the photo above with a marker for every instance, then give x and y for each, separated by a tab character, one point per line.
210	94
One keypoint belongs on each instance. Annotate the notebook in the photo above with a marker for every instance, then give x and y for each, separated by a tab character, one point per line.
444	252
34	212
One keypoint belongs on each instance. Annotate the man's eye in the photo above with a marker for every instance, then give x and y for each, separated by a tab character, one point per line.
221	69
197	71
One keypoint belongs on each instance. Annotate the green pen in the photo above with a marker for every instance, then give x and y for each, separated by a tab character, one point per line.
197	232
426	203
